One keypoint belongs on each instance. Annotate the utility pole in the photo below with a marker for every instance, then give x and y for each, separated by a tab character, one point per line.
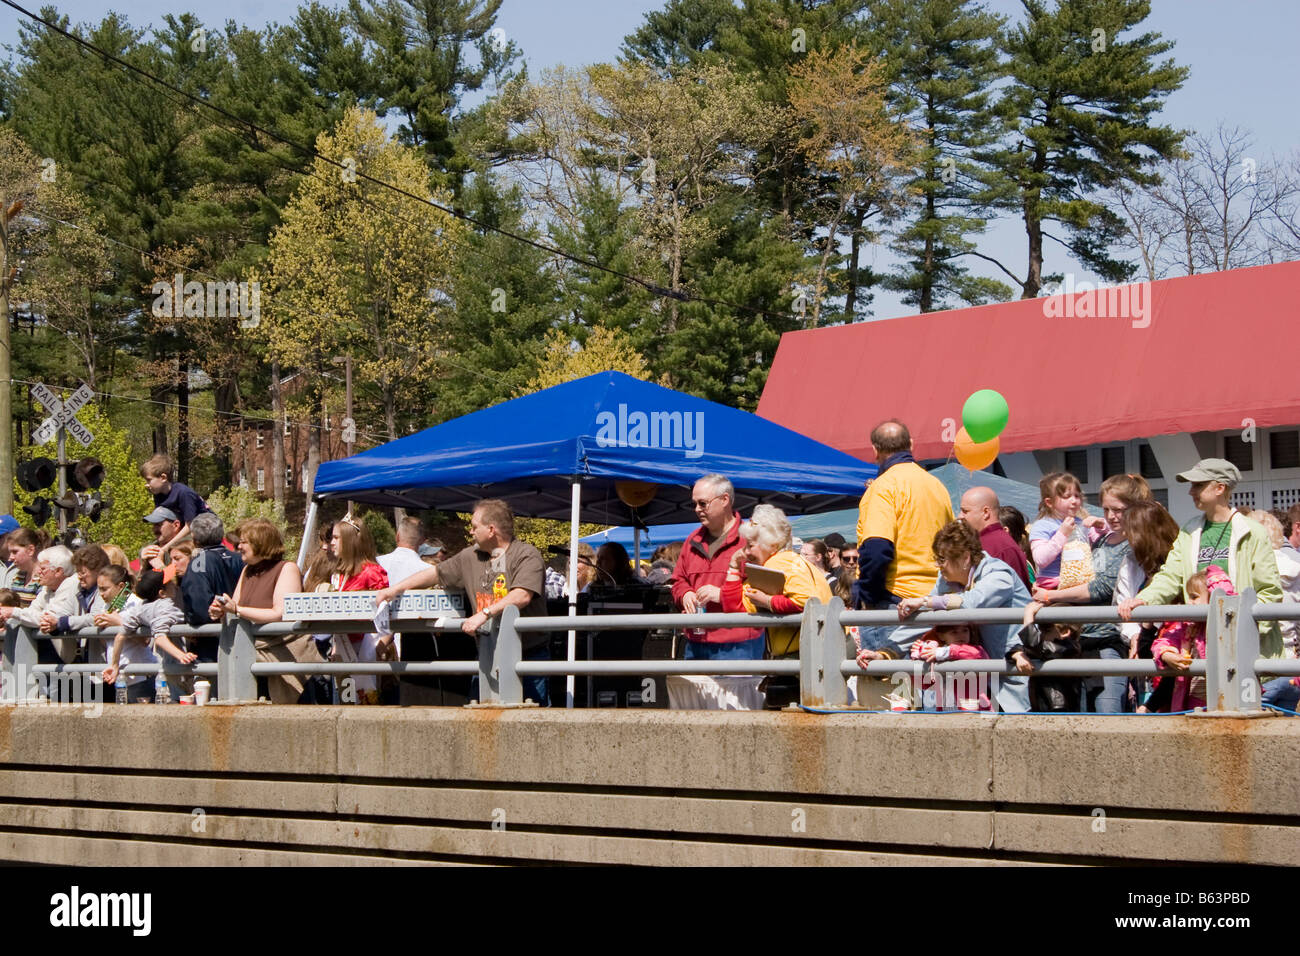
6	365
349	423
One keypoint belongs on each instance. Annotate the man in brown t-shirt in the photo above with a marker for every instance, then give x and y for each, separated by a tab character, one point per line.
496	571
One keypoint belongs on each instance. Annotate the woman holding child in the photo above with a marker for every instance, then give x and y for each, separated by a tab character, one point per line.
968	578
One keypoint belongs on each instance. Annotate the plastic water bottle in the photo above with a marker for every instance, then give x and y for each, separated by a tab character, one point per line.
119	689
162	694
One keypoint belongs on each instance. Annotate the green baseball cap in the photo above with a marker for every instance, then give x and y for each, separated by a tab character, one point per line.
1213	469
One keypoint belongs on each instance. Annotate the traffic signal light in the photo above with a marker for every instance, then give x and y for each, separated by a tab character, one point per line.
85	474
39	509
37	474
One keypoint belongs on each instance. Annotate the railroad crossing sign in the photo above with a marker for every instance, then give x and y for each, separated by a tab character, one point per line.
63	415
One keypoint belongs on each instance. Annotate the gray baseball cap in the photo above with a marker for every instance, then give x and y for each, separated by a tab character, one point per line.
1213	469
159	515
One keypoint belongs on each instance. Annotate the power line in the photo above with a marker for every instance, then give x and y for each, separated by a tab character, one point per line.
243	417
652	287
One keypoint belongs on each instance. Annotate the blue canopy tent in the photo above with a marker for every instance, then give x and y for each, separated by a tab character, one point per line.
563	452
598	431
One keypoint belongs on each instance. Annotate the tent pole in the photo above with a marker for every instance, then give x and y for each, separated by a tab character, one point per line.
636	549
308	530
573	585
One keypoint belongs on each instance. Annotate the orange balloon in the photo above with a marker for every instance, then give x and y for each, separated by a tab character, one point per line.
975	455
635	494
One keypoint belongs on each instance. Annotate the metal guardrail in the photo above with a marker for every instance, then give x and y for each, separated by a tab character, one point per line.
1232	665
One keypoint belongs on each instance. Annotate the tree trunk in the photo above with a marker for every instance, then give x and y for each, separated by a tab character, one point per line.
277	438
6	411
926	298
183	421
313	442
851	271
390	422
159	394
1034	231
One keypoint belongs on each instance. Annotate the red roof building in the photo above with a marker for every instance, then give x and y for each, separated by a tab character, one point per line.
1147	377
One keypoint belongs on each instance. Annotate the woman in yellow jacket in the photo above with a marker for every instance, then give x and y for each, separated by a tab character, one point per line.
767	542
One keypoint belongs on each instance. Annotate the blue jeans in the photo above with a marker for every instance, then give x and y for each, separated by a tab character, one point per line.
1109	698
751	650
535	686
1280	692
876	636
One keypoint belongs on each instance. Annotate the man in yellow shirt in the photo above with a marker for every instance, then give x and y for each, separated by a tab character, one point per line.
899	515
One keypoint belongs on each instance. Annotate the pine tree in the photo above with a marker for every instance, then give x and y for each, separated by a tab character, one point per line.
942	58
1084	90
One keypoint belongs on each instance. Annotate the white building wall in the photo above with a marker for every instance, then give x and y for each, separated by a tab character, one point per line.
1269	460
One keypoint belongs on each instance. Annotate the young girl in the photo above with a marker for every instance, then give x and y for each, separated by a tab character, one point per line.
147	612
355	569
1179	642
1060	543
947	642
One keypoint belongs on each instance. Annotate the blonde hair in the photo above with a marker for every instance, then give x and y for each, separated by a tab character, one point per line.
1271	525
1055	485
769	526
356	547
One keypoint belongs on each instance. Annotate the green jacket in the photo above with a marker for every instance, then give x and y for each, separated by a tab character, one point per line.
1251	564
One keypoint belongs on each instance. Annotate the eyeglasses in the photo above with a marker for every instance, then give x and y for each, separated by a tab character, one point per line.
702	505
848	559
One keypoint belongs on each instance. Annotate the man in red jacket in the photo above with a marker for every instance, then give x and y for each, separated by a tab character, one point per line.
702	568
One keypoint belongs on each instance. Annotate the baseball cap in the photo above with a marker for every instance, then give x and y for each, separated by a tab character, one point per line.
8	523
834	540
1212	469
159	515
428	550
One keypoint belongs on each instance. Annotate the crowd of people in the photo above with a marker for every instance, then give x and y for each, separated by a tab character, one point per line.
911	554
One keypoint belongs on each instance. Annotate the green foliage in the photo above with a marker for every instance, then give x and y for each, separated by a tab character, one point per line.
235	504
381	529
1085	87
943	58
120	524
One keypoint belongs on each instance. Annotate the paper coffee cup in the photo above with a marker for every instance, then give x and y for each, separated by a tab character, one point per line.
202	692
186	699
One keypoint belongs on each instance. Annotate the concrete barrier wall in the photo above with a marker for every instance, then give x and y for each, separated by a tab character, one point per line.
334	785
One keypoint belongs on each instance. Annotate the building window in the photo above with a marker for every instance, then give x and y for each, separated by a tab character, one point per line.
1076	463
1239	452
1112	461
261	479
261	439
1284	449
1161	495
1147	464
286	425
1284	498
288	476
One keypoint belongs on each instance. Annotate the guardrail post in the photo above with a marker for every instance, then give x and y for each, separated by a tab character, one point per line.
1231	649
235	656
821	651
20	654
499	650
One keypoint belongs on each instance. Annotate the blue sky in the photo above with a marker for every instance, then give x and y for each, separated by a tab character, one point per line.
1241	54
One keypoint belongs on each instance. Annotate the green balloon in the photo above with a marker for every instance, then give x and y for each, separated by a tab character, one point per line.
985	414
